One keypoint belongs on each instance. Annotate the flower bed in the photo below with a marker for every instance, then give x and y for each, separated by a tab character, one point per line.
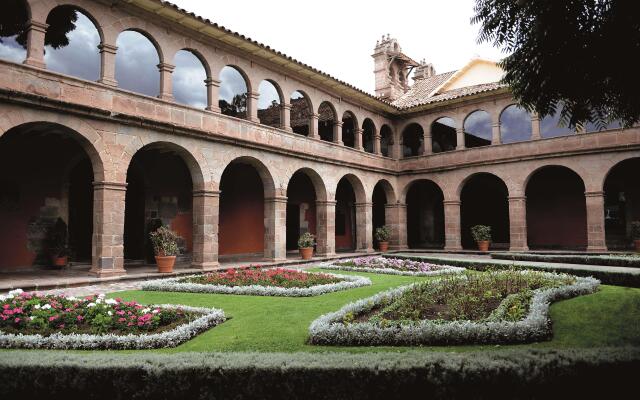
392	266
613	260
495	307
57	322
260	282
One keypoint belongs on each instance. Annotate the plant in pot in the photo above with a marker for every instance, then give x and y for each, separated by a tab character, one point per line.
165	247
58	244
305	245
635	235
383	233
482	235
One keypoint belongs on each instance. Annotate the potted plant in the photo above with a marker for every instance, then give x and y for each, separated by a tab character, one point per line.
58	244
383	233
482	235
635	234
305	245
165	247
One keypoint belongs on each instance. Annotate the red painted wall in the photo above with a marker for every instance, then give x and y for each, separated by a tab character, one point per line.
345	198
241	228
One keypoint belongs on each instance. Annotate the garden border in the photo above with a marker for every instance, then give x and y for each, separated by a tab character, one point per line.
211	317
611	260
446	269
329	330
173	285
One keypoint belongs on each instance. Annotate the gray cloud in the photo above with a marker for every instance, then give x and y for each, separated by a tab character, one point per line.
10	50
515	124
188	80
136	64
268	94
231	83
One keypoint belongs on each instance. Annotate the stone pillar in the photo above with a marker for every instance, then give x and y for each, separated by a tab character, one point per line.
395	216
35	44
326	227
108	64
313	126
518	223
535	126
206	211
377	144
427	145
364	227
337	132
108	229
252	106
275	228
166	89
595	221
358	139
460	138
495	130
286	117
452	225
213	93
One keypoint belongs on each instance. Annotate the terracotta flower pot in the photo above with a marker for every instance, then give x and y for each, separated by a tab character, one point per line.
306	253
636	243
384	246
165	263
60	261
483	245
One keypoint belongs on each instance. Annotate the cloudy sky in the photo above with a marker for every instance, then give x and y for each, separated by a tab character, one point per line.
338	37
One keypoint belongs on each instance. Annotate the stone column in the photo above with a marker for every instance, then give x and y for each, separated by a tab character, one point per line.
395	216
35	44
286	117
108	64
206	211
275	228
460	138
426	144
252	106
518	223
495	131
313	126
326	227
108	229
535	126
337	132
358	139
166	89
595	221
213	90
452	225
377	144
364	227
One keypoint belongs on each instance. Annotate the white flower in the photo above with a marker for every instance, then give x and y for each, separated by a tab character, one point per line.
109	313
15	292
145	310
72	298
46	306
37	306
155	311
101	296
32	318
110	301
2	297
91	305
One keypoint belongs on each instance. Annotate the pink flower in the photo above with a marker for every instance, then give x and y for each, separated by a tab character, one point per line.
79	317
16	320
53	318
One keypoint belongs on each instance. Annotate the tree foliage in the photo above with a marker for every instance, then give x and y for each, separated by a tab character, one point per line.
576	53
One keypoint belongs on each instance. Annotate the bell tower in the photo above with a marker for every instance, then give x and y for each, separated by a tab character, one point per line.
391	69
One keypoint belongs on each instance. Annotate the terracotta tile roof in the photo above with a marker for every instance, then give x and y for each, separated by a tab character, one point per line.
421	89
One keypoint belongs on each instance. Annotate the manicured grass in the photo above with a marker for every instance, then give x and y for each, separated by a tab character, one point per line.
610	317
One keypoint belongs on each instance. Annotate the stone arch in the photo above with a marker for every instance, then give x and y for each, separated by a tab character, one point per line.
509	120
199	56
188	79
149	37
388	189
234	105
621	202
528	177
318	183
245	76
266	176
477	126
412	140
357	185
425	221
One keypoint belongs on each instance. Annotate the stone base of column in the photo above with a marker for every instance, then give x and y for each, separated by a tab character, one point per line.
107	273
597	249
325	254
370	250
276	259
207	266
35	63
452	248
108	82
518	249
215	109
398	247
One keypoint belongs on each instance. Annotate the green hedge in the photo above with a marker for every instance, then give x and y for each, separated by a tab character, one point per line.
587	259
490	374
618	278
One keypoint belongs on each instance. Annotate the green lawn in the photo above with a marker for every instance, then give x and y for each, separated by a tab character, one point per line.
610	317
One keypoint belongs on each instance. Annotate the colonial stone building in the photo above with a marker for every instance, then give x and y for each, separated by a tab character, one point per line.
272	148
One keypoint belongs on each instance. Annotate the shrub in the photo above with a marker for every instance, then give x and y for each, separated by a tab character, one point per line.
481	233
306	240
635	230
614	260
165	242
383	233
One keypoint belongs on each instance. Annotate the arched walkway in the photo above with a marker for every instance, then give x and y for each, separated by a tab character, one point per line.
301	208
382	196
425	215
484	201
622	203
556	210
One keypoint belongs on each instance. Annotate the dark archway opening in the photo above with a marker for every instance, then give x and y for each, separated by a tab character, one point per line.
300	113
348	129
345	226
159	192
45	177
326	121
443	135
379	201
556	210
386	140
425	215
484	201
301	208
412	141
241	212
368	136
621	203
